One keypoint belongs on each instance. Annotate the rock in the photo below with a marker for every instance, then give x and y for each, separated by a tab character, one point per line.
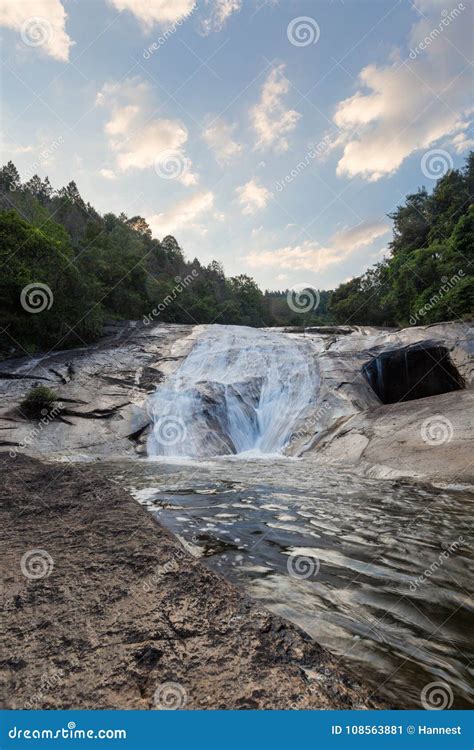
102	388
103	609
351	427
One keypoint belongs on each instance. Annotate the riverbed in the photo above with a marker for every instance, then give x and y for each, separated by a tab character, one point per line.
377	571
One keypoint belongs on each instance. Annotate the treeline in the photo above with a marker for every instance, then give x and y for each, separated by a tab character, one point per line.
429	275
100	268
60	256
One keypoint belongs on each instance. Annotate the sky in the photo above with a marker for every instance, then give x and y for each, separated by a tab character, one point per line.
272	136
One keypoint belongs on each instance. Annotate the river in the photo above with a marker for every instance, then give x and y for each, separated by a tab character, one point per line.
339	555
378	571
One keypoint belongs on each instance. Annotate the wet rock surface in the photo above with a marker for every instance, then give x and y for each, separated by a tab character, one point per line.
102	389
103	608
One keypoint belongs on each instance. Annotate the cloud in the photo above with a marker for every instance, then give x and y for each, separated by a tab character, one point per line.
183	215
252	196
108	174
41	23
409	105
138	141
151	12
361	235
218	137
221	11
462	142
311	256
269	118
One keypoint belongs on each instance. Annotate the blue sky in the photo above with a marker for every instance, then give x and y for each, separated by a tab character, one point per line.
272	136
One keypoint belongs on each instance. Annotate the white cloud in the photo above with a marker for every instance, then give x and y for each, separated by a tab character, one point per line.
308	255
142	147
108	174
414	102
219	138
462	142
183	215
41	24
220	12
122	120
269	118
139	142
311	256
253	196
361	235
151	12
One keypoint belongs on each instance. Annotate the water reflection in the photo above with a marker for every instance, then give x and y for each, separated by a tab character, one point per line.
390	570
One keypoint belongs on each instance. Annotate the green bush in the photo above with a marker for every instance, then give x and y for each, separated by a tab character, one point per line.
39	402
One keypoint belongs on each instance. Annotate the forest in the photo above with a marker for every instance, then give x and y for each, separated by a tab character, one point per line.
101	268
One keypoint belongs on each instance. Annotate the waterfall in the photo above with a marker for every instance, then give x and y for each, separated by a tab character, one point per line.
238	390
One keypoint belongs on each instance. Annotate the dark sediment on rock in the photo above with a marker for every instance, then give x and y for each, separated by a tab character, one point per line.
124	611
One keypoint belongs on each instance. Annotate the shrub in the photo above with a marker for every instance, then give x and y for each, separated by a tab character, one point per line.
39	402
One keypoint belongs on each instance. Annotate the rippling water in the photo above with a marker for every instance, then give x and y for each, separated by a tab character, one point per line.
339	555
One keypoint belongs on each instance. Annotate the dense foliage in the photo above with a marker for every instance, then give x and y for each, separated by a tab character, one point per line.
97	268
60	257
428	276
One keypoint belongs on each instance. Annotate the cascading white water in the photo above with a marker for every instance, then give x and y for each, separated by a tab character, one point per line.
239	389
